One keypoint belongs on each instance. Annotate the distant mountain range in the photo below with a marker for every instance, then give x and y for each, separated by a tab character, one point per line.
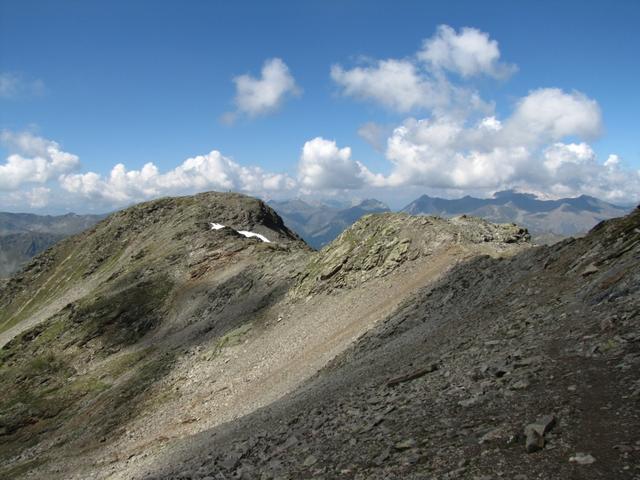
547	220
24	235
319	223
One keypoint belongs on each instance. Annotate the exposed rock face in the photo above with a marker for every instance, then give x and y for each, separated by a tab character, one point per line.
378	244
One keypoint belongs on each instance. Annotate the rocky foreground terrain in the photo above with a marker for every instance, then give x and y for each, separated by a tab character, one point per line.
153	346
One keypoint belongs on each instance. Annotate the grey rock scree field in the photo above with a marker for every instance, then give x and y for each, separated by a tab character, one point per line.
165	343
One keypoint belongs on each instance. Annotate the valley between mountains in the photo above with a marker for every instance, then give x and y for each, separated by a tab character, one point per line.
154	346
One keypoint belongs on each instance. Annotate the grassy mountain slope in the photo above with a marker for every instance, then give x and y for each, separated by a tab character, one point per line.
75	366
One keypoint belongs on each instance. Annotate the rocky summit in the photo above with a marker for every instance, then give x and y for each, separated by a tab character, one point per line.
200	338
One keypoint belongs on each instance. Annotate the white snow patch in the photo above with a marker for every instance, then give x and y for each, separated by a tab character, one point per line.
246	233
249	234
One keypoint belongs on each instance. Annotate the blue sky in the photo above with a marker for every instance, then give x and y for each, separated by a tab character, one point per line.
139	82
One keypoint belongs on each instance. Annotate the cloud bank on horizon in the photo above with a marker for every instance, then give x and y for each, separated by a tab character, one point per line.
450	138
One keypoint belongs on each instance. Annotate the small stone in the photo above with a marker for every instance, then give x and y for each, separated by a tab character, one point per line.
231	461
582	458
543	424
457	473
534	433
607	323
520	385
533	440
405	444
495	434
468	402
624	448
528	361
590	270
310	460
380	459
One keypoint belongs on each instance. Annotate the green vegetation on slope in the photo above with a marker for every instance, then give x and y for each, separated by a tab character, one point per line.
82	360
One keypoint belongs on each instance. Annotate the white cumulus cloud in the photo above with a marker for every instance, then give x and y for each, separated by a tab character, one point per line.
32	159
212	171
395	84
612	161
574	169
469	52
454	150
549	114
323	166
443	153
525	150
561	155
419	82
259	96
